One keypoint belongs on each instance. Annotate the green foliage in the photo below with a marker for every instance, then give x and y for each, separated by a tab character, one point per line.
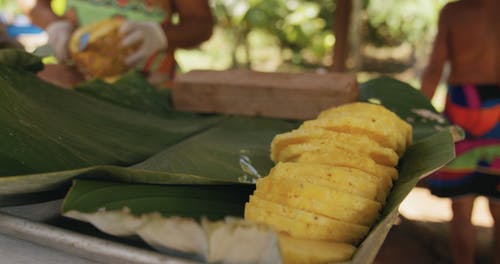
302	27
8	6
391	22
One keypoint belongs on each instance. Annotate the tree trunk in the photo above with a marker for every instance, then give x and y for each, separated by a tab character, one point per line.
355	32
341	30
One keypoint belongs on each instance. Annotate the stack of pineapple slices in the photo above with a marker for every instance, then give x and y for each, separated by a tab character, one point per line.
331	180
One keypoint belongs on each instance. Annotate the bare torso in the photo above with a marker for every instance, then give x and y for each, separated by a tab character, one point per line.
474	42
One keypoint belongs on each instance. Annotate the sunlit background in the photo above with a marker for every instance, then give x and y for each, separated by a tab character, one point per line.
390	37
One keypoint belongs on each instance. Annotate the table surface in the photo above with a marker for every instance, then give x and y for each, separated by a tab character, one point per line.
19	251
35	233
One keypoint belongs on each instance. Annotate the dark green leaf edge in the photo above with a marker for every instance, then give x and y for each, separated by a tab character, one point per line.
52	180
196	201
20	59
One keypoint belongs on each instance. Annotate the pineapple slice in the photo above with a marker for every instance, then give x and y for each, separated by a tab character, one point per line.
345	159
318	199
321	208
304	251
336	178
356	125
369	111
314	138
292	187
302	224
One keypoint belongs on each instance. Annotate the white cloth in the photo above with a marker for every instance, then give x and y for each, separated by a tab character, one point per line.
149	34
59	33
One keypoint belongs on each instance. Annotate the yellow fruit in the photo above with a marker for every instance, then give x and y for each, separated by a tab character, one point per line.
102	56
310	139
355	125
317	192
321	200
332	177
345	158
302	224
303	251
381	176
336	178
373	111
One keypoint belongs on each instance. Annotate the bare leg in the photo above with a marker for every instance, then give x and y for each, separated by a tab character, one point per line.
495	212
462	233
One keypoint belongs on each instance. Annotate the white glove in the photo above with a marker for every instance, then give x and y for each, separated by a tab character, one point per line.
59	33
149	33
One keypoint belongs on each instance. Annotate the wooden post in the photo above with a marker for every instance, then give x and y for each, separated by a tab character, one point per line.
355	36
341	30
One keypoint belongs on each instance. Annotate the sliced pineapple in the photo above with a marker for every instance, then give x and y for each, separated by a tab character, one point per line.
301	224
382	156
311	139
339	199
381	176
318	199
349	160
336	178
369	111
305	216
310	205
304	251
356	125
332	177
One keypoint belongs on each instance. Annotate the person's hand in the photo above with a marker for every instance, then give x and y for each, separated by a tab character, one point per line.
59	33
149	34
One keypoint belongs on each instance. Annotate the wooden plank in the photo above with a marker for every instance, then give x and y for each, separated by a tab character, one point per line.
280	95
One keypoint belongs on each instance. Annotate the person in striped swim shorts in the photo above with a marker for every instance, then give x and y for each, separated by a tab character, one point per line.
468	39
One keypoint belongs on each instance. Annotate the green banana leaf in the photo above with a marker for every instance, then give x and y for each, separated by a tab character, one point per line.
433	148
421	159
20	59
131	91
45	128
89	197
215	201
49	136
236	150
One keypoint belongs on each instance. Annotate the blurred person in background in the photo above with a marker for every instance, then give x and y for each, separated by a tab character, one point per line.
148	22
468	39
6	41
